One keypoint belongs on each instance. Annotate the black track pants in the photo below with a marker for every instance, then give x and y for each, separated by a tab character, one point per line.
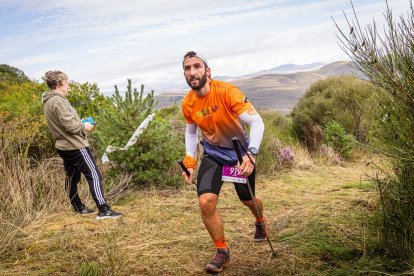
77	162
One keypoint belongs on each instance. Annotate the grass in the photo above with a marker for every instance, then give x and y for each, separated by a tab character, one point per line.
319	225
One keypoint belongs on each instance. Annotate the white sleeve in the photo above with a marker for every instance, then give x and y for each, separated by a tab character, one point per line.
191	139
256	128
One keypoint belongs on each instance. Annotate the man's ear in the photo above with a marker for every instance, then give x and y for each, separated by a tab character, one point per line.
208	71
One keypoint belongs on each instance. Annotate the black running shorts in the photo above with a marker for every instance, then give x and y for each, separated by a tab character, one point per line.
209	179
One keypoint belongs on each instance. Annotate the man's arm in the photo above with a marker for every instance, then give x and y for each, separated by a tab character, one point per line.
239	104
255	138
256	128
191	141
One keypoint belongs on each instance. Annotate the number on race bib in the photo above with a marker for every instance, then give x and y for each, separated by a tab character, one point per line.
232	174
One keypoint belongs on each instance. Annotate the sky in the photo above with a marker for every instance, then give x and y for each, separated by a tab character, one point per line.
107	42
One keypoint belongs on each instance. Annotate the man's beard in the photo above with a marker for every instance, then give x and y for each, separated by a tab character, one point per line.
201	82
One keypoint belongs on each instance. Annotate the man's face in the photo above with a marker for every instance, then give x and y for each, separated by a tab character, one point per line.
195	72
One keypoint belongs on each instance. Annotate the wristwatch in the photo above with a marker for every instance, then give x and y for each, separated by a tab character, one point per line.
252	151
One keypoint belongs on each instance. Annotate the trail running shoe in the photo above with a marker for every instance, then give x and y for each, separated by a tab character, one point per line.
107	213
221	260
260	234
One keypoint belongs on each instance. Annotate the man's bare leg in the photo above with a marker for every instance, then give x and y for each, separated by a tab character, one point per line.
260	234
214	226
250	204
211	219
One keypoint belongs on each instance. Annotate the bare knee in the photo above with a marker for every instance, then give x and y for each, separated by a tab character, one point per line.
207	203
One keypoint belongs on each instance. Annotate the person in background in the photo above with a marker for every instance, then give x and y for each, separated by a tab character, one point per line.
71	142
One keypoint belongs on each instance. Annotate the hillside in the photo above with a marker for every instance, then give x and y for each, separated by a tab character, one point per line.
317	226
275	91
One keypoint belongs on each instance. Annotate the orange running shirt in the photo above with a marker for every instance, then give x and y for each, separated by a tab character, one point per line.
217	114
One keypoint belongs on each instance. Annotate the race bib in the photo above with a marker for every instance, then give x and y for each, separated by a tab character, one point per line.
232	174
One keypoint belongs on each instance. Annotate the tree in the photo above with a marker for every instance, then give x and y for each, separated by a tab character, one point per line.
87	99
12	74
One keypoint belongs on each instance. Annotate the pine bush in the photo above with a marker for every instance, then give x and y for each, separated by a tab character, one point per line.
152	160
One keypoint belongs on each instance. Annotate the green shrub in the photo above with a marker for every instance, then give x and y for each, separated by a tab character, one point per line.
278	132
22	122
344	99
386	59
25	134
87	99
152	160
21	97
280	126
336	137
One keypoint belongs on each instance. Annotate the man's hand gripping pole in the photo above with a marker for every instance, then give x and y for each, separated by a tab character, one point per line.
187	172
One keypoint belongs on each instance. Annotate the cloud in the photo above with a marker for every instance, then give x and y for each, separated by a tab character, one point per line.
107	42
39	59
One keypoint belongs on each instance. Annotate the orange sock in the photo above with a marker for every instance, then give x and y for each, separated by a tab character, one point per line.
263	219
222	244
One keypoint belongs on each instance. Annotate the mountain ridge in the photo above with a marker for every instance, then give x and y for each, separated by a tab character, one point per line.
275	91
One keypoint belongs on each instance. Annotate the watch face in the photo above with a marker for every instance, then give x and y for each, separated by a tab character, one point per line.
253	150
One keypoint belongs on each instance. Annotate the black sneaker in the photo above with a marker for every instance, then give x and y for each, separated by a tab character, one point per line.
221	260
260	234
85	211
107	213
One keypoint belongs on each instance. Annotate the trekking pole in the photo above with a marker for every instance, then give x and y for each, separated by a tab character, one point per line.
187	172
236	142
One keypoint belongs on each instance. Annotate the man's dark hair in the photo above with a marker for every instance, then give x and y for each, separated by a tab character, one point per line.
191	54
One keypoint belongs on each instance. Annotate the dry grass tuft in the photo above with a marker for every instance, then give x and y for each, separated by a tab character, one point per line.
315	226
303	160
28	194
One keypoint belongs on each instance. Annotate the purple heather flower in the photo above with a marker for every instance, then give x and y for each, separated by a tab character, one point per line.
286	155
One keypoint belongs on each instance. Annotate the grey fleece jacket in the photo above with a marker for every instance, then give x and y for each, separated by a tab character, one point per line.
63	122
